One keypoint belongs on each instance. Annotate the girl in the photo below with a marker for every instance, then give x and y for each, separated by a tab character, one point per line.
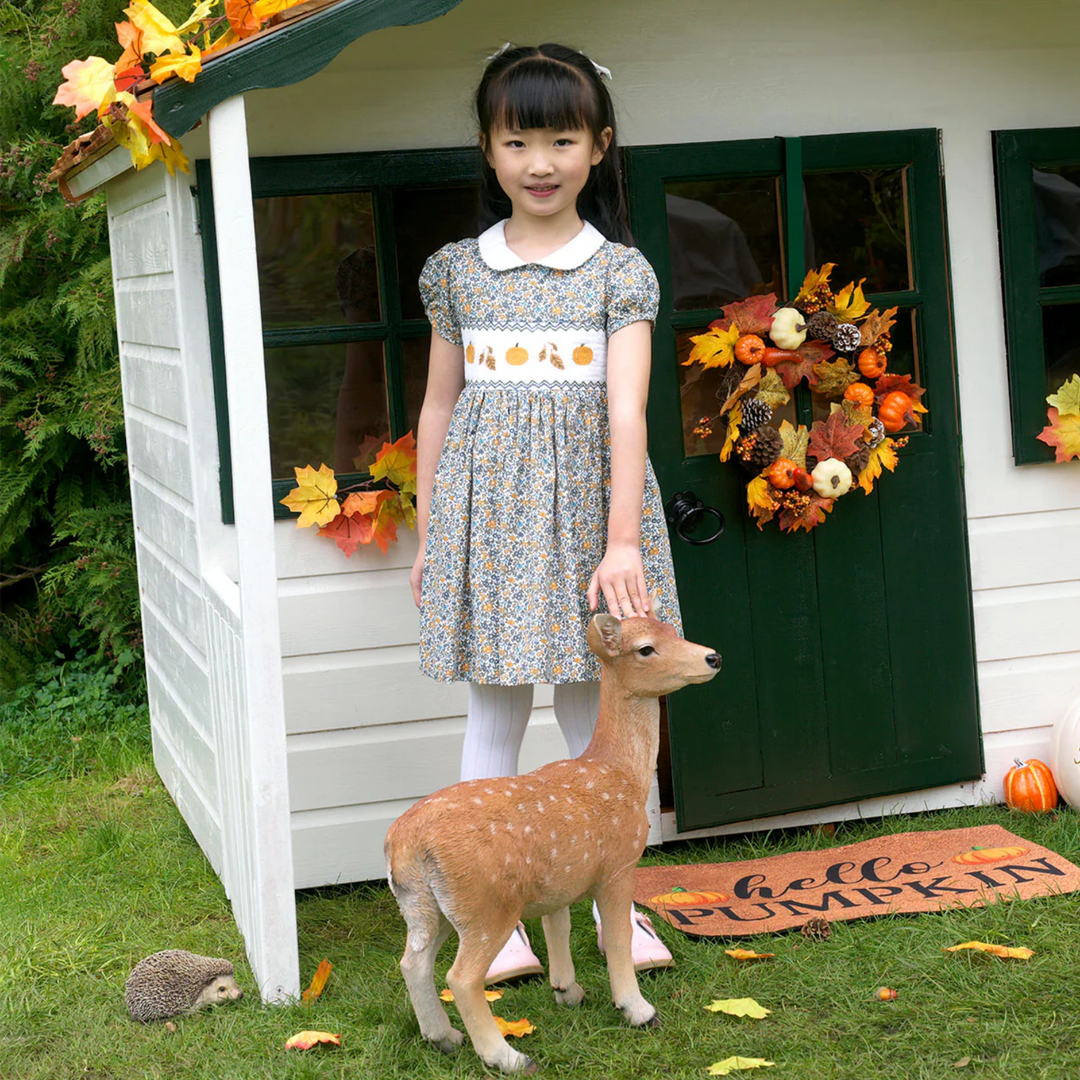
535	497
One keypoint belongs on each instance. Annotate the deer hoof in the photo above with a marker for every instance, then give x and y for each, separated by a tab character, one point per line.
642	1016
450	1043
571	995
532	1068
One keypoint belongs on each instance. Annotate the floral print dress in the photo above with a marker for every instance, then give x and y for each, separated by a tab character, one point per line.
519	509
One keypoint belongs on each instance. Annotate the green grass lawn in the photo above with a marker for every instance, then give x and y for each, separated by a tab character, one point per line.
97	870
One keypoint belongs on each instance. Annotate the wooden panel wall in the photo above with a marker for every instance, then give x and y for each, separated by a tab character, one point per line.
142	228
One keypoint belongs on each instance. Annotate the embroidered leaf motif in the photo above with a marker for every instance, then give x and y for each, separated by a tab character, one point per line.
556	359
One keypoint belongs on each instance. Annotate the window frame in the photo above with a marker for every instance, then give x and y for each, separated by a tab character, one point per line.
1016	154
377	172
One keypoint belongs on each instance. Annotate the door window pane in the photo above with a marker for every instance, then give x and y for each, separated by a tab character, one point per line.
415	357
1060	344
326	403
316	257
859	220
723	240
424	220
1057	224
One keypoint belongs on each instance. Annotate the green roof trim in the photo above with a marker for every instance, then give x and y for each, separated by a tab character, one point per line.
288	55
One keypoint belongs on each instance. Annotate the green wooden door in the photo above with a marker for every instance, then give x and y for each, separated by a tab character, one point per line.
848	652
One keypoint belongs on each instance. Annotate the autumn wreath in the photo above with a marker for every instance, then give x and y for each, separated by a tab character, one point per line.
841	347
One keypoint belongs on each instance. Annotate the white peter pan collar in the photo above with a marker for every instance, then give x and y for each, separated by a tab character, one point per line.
575	252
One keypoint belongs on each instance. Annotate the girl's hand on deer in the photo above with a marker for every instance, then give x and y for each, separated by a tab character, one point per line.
416	575
621	578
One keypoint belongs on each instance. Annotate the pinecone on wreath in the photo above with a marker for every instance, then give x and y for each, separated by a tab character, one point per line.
821	325
766	448
755	413
875	433
846	338
816	929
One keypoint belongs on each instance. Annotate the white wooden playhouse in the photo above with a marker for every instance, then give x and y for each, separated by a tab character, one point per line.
290	722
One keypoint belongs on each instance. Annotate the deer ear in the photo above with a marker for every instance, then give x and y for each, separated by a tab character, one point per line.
656	604
605	634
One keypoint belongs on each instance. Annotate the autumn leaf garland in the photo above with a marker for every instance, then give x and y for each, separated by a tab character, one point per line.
153	48
839	344
367	513
1063	431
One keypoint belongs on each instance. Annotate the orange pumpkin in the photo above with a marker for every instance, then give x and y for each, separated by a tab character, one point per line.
749	349
470	353
516	356
860	393
782	473
893	409
988	854
682	898
582	355
871	362
1030	787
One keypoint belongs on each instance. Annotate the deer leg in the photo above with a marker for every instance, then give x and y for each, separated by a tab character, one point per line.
613	899
428	929
560	962
477	947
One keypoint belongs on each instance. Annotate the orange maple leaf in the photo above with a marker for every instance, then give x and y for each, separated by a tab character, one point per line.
349	531
1063	434
365	502
130	37
305	1040
144	111
158	33
89	83
186	65
318	981
247	16
515	1027
396	463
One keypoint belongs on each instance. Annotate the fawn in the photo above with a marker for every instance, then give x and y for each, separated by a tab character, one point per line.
478	856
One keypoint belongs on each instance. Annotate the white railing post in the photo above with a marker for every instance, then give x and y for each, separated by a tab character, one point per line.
259	838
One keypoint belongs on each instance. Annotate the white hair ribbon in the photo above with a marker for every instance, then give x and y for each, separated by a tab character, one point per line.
603	72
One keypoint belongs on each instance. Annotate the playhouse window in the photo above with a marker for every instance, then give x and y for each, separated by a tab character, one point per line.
340	242
1038	192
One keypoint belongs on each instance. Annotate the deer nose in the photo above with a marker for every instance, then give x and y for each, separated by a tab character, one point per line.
713	660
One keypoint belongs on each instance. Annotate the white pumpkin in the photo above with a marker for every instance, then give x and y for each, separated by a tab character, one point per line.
832	478
788	329
1065	755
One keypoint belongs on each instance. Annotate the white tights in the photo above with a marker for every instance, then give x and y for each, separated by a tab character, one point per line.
498	716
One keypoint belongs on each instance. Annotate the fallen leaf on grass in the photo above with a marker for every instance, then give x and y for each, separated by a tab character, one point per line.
731	1064
962	1063
739	1007
318	981
515	1027
489	995
748	954
998	950
305	1040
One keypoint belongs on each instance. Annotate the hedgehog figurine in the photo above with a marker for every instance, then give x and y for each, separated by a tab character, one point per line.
174	981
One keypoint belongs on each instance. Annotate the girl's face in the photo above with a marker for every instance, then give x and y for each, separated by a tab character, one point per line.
543	170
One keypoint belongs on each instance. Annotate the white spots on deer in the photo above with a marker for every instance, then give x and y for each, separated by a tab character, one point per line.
528	860
554	851
621	796
582	770
540	807
528	829
590	785
529	787
551	798
491	826
603	770
614	821
605	796
585	857
508	858
484	936
513	787
552	834
509	826
488	791
521	807
478	800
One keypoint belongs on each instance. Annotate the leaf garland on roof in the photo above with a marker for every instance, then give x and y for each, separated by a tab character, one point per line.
839	344
152	48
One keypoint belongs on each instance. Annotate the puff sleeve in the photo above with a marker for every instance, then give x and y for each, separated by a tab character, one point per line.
633	292
435	293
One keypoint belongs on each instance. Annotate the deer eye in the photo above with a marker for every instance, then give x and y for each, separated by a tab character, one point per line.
646	650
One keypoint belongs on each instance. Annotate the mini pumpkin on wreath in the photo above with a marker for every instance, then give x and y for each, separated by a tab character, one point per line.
841	347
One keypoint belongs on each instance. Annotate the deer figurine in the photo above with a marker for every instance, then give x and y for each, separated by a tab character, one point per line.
480	855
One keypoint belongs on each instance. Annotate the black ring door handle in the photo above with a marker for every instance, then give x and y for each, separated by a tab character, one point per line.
684	508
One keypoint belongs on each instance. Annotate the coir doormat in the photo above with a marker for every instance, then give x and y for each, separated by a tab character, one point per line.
906	872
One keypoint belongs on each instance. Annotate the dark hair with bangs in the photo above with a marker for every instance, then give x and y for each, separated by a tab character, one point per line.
552	86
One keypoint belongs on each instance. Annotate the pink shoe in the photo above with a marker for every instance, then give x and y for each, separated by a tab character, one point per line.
646	948
515	960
